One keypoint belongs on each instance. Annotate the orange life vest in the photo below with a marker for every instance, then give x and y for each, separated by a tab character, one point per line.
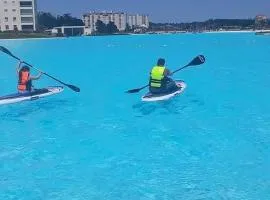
23	81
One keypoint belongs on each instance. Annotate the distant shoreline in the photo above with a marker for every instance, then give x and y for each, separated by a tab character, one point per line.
238	31
34	36
22	35
37	38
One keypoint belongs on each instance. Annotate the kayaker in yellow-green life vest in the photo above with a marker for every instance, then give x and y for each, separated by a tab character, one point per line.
160	82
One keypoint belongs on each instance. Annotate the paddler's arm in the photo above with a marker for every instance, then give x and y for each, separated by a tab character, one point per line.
36	77
19	67
167	72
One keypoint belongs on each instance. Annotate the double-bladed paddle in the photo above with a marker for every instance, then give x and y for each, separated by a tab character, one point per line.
196	61
72	87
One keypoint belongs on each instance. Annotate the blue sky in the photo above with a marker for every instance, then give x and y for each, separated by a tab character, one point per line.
163	10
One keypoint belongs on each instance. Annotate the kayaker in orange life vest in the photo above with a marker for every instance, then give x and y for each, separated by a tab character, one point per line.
160	82
25	79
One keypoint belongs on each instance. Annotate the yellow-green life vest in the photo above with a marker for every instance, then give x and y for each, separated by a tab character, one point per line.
157	75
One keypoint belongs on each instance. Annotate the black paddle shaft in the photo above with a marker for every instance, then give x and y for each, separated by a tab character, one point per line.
200	59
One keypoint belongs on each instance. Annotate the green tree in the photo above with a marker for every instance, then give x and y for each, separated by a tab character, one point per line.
101	27
128	28
111	28
68	20
46	20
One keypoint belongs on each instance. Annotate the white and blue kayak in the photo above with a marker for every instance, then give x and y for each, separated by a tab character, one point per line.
161	97
34	95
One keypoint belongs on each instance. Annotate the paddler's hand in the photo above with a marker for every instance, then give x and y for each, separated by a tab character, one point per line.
19	66
168	72
38	76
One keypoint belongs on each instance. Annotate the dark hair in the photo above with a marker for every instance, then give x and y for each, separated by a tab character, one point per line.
25	68
161	62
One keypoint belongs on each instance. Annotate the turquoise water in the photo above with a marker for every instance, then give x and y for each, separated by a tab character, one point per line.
211	142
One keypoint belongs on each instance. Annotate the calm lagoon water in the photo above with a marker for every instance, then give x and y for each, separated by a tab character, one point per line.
211	142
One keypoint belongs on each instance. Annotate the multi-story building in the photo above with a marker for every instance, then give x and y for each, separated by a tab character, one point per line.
18	15
91	18
138	20
120	19
261	21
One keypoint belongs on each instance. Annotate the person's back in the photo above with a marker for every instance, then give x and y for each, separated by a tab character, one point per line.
160	82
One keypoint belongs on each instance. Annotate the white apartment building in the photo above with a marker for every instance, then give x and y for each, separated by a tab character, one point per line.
138	20
18	15
91	18
120	19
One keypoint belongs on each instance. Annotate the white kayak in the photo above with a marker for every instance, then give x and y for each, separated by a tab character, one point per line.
34	95
160	97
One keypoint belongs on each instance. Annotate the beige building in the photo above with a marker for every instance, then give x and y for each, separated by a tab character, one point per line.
18	15
120	19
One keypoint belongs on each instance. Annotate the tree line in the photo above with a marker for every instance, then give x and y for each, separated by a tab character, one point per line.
47	21
102	28
211	24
